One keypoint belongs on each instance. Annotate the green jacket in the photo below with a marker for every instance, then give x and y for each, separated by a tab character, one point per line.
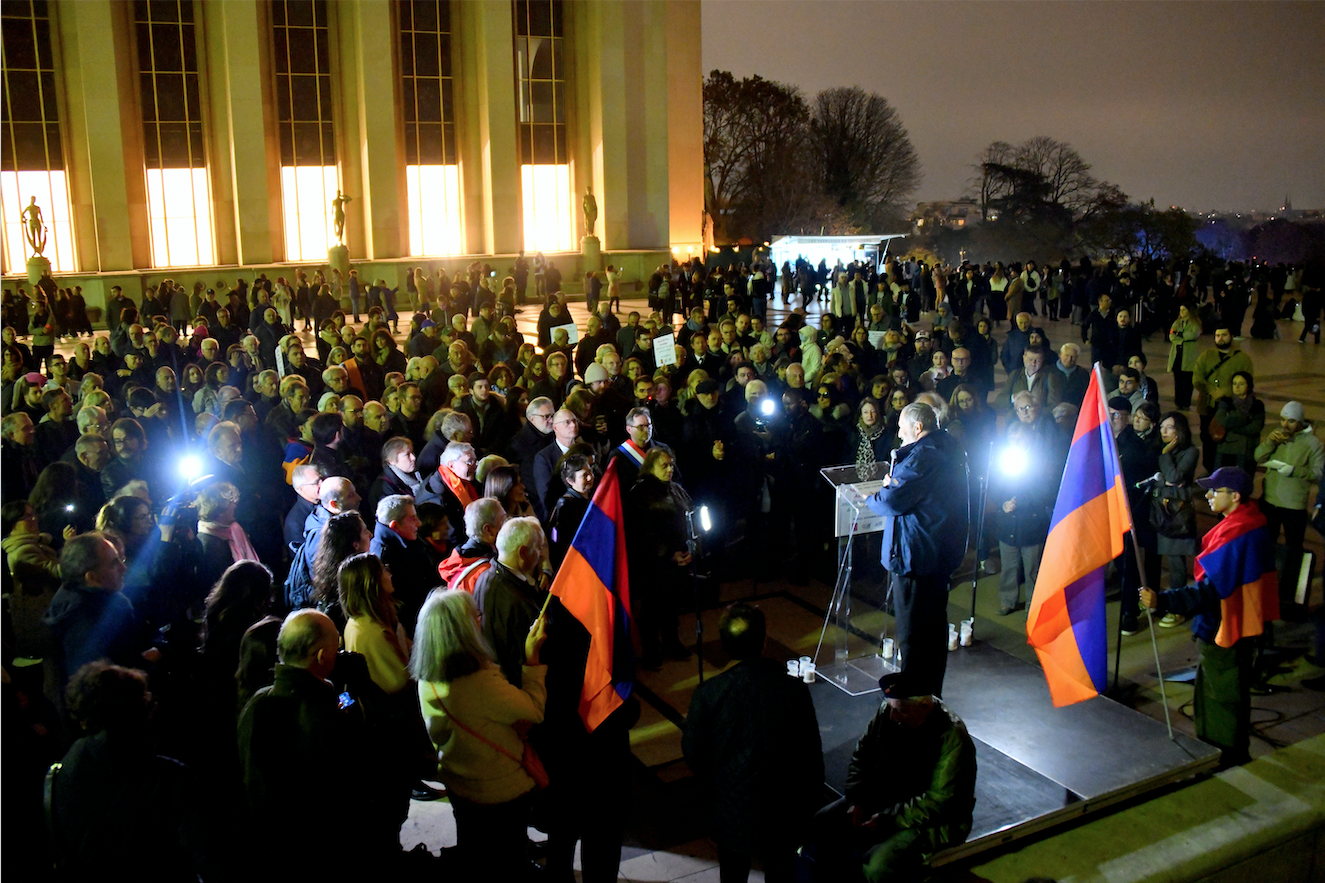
922	777
1305	453
1184	333
1212	376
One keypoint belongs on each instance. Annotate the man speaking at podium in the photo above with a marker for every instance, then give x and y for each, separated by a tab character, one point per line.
924	539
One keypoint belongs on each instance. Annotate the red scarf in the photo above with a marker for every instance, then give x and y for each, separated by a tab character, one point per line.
463	490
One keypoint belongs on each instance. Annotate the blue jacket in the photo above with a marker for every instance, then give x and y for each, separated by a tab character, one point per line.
928	502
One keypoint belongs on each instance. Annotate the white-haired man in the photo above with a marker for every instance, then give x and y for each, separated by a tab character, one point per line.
508	594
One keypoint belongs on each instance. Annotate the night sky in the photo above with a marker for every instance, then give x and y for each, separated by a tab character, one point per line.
1209	106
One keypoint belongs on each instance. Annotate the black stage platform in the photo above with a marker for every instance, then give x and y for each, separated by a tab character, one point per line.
1039	766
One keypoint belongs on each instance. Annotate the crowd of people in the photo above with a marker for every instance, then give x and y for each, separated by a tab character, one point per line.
198	496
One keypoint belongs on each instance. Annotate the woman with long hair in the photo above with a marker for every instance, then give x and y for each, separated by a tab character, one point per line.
192	381
372	627
659	554
1173	513
55	500
239	599
476	720
504	485
535	371
343	536
385	352
216	375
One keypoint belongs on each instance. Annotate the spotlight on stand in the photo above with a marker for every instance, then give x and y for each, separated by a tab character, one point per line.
1012	460
189	467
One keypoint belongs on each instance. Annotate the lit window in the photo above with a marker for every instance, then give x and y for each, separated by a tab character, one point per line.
31	159
548	204
548	214
433	192
179	203
432	176
306	191
310	174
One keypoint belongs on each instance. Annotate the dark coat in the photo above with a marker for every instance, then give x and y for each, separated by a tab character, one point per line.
522	449
548	486
508	606
88	624
927	500
563	523
412	572
752	738
123	812
434	490
290	735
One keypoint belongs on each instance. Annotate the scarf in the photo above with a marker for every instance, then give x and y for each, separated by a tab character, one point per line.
240	548
411	479
1243	404
463	490
865	459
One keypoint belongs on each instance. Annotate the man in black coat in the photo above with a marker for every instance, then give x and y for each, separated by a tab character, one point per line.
1099	328
292	734
532	438
752	738
396	541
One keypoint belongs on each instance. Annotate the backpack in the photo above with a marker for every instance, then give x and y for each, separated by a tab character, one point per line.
299	582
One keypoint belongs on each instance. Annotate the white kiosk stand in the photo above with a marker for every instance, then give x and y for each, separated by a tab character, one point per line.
851	518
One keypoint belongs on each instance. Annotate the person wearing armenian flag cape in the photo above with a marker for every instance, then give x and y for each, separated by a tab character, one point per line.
1236	592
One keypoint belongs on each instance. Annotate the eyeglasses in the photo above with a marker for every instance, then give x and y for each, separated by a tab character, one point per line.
1023	409
823	395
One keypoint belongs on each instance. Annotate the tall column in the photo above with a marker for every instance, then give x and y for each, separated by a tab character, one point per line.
685	125
373	162
489	158
622	57
243	164
105	136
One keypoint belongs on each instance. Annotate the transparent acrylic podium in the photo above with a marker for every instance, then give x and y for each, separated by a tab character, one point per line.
851	518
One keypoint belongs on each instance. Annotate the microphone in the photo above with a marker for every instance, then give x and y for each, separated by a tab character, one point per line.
1146	484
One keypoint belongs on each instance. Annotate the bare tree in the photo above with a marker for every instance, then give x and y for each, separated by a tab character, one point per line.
1066	175
989	185
754	133
867	165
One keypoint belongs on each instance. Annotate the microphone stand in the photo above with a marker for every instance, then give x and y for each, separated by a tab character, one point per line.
693	547
980	523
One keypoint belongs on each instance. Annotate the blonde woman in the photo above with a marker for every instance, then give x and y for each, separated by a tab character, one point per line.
475	718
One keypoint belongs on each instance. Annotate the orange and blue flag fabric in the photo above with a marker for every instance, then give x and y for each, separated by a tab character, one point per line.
593	586
1066	624
1235	558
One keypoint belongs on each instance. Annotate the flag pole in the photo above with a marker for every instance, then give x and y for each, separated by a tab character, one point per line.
1140	572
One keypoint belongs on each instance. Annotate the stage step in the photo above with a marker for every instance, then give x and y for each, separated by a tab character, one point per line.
1261	822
